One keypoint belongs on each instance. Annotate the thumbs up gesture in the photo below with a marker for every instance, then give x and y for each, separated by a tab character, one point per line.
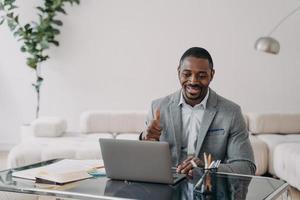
154	129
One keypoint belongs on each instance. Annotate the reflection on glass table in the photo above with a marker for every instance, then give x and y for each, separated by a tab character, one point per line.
215	186
22	196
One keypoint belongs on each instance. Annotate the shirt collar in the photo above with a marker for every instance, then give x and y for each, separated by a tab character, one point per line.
203	102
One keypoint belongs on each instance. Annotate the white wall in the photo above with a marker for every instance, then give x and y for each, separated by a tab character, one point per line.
121	54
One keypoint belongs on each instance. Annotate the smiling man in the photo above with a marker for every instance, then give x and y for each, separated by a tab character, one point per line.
195	120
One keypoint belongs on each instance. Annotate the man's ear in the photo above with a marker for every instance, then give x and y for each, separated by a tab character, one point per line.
178	71
212	74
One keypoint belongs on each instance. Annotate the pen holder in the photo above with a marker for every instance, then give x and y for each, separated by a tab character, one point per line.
205	180
198	172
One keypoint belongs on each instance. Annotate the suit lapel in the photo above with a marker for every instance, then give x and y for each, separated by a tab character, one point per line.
176	121
207	119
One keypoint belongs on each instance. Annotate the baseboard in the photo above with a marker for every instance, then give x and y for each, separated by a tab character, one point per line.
6	145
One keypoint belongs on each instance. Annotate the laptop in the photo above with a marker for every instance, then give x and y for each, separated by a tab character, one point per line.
134	160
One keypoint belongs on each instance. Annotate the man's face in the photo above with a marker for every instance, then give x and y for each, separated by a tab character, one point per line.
195	75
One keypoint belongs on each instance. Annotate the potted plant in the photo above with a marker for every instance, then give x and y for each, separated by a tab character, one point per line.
36	37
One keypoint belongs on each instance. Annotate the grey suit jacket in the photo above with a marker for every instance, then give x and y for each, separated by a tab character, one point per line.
223	132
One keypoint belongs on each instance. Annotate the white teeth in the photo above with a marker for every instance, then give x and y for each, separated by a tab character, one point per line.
190	88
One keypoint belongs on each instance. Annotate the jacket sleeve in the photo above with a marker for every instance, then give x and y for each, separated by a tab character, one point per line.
239	156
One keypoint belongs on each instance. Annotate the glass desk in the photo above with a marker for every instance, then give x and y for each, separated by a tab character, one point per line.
222	186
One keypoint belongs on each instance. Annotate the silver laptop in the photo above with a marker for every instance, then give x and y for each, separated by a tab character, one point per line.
135	160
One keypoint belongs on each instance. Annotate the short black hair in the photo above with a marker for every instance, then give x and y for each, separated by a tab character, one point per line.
197	52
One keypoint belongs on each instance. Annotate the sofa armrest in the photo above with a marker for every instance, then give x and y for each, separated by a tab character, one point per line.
274	123
261	154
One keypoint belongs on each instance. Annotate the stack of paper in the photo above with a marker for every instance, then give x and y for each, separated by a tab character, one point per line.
61	172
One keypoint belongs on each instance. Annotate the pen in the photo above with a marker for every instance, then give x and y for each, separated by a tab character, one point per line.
194	164
209	159
205	173
205	160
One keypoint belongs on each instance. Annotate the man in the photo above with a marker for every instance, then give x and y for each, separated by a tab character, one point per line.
195	120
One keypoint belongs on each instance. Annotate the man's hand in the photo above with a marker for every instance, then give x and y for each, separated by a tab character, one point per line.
154	129
186	166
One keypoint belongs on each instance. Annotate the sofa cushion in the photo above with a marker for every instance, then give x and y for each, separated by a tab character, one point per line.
49	126
260	151
287	163
272	140
112	121
274	123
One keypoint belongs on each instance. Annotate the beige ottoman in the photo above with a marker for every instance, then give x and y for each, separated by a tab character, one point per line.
286	160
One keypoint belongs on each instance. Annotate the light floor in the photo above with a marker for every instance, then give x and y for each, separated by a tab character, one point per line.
295	194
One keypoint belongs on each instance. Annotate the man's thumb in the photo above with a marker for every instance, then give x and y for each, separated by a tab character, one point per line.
157	115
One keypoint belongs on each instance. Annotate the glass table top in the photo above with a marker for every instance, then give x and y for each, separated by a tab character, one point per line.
22	196
214	186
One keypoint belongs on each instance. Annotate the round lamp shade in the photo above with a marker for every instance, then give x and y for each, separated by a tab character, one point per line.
267	44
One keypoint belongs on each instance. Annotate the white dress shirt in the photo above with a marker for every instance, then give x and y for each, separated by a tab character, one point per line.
191	123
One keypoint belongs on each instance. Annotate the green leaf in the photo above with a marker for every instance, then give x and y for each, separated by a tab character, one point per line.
44	44
17	33
57	22
61	10
1	21
23	49
40	18
39	80
32	62
40	9
11	24
10	15
72	1
37	85
1	6
27	26
43	58
56	4
55	31
56	43
16	19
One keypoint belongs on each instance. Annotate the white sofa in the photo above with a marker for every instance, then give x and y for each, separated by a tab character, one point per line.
267	140
281	134
78	145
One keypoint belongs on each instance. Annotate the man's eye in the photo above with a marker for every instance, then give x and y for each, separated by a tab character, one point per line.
186	74
202	76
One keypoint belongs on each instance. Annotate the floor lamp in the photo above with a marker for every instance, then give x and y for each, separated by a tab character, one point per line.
269	44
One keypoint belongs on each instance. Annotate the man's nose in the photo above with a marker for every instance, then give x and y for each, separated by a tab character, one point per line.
193	79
